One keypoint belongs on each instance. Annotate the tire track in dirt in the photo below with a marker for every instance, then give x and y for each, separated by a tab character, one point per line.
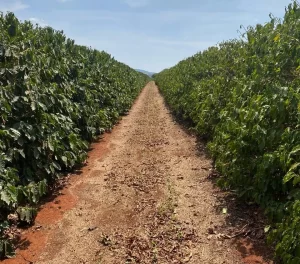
148	200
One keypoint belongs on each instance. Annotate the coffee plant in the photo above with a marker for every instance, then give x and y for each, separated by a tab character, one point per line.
55	98
243	97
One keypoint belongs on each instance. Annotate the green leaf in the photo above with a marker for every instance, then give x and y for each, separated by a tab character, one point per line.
33	106
289	176
27	214
36	153
5	197
267	228
296	179
14	133
21	151
21	141
6	248
277	38
72	146
42	187
13	192
56	165
51	147
295	150
65	160
42	106
295	166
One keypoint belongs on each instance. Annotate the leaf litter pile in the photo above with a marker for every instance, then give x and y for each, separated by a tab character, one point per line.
164	239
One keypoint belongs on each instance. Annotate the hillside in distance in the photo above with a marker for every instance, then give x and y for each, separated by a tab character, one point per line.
146	72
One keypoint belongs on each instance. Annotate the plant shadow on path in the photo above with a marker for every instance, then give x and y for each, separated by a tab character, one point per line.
23	244
245	225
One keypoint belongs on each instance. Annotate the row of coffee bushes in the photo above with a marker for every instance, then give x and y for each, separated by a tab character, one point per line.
243	97
55	98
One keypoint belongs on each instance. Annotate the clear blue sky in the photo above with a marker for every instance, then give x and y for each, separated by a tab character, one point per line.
147	34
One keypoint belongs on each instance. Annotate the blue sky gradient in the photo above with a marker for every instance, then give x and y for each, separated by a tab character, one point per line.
147	34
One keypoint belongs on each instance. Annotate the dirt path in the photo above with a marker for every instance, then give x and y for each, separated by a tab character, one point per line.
148	200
